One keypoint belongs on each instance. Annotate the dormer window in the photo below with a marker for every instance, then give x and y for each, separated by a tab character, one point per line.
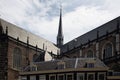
61	65
90	65
33	67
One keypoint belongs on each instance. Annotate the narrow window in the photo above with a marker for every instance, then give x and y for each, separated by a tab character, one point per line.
107	52
35	56
17	58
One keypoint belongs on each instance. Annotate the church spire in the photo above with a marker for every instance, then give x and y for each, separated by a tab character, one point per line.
60	33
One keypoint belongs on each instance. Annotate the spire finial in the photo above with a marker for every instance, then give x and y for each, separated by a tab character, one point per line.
60	33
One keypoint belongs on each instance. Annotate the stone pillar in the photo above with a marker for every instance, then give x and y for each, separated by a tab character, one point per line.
118	43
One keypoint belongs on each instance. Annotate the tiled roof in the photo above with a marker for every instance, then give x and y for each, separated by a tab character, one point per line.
91	35
69	63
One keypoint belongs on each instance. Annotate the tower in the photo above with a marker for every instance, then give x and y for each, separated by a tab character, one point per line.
60	33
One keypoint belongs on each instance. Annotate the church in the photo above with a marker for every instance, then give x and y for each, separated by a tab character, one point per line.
19	49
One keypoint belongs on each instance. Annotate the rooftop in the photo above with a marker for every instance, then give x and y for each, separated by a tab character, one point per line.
74	63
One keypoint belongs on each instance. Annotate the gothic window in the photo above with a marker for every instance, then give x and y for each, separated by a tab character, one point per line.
90	54
107	53
17	56
35	57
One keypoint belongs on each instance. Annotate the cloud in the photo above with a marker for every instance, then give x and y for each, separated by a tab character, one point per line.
41	16
82	20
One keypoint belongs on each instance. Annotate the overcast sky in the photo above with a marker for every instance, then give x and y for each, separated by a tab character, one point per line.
41	17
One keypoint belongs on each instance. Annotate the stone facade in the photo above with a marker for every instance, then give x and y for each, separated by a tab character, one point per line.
14	40
97	44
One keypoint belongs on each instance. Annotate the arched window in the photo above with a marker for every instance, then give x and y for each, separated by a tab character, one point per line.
17	58
107	52
90	54
35	56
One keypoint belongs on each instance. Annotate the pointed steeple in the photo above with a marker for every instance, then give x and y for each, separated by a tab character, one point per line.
60	33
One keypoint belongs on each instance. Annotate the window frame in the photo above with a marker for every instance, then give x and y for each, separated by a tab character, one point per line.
17	58
23	77
90	74
104	47
60	75
92	54
70	74
89	65
42	76
52	75
61	65
34	57
101	73
32	76
83	74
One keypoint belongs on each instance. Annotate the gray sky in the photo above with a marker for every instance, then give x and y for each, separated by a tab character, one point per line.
41	17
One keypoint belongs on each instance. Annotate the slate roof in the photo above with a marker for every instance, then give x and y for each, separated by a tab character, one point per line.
91	35
15	32
69	64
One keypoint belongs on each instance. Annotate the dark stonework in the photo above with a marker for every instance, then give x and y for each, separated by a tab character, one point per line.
3	56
